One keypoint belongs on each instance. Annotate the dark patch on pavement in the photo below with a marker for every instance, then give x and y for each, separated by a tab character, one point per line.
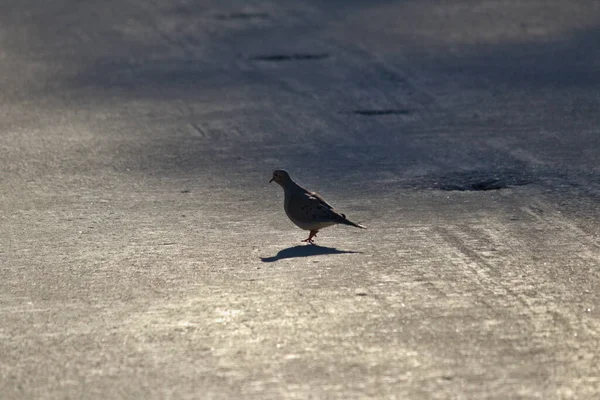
306	251
242	16
291	57
375	112
479	181
490	184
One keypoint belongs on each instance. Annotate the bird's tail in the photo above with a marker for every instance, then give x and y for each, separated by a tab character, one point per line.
348	222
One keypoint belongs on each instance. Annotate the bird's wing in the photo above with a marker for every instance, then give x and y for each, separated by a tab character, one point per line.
321	200
307	207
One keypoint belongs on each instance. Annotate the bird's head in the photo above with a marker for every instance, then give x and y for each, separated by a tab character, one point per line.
280	176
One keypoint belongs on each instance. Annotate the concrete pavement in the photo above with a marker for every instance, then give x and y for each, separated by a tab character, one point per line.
144	254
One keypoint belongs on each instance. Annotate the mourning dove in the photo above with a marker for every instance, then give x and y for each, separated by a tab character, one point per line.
307	209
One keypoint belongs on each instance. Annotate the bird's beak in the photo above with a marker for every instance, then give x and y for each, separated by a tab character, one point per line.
271	180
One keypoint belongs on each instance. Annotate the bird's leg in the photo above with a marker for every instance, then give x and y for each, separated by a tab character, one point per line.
310	237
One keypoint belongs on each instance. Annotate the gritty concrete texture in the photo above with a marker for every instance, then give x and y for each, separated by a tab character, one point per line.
144	255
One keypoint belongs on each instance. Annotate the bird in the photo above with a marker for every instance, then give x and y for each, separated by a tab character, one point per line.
308	210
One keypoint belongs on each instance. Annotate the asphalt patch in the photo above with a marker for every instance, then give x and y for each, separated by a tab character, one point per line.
291	57
375	113
479	181
242	16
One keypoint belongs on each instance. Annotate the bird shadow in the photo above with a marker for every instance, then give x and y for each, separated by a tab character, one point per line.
305	251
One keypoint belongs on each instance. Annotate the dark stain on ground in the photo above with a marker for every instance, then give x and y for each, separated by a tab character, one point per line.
375	112
290	57
478	182
242	16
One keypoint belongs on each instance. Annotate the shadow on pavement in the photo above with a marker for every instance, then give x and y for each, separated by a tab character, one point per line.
193	89
305	251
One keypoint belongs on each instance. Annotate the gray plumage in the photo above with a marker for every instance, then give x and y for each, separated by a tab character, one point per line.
306	209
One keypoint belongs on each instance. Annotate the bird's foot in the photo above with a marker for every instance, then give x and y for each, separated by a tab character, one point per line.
310	237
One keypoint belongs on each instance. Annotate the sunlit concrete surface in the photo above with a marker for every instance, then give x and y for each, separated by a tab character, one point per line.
144	255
